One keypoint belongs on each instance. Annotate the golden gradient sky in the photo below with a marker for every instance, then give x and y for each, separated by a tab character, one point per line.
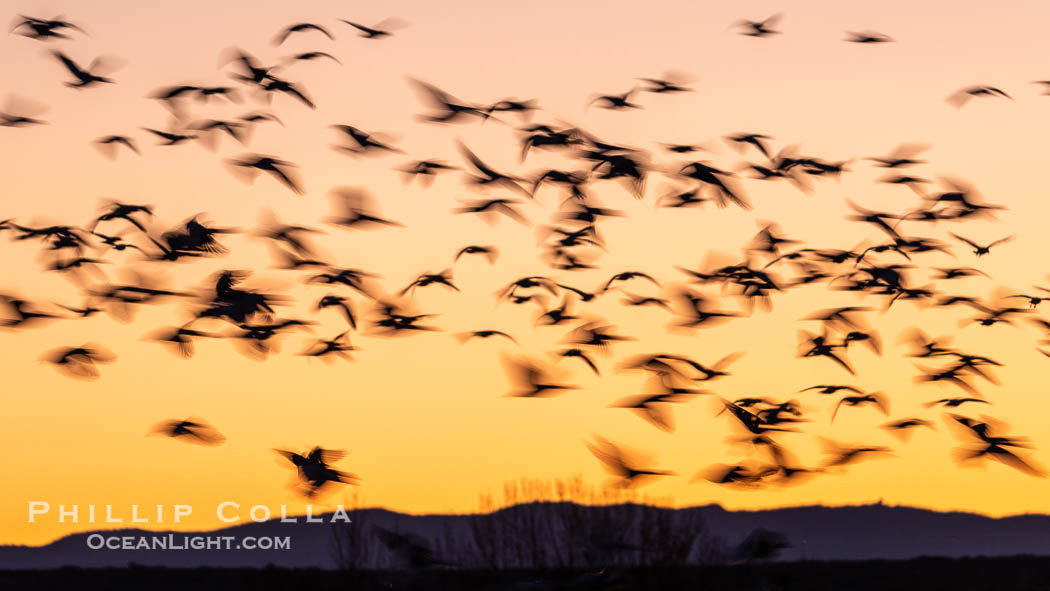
425	419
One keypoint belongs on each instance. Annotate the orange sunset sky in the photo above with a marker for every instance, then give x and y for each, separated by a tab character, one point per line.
425	419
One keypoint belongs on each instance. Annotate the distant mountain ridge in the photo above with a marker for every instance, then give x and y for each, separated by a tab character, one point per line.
814	532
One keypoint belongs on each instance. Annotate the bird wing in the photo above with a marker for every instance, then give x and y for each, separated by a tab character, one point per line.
474	160
361	28
69	64
1001	241
286	180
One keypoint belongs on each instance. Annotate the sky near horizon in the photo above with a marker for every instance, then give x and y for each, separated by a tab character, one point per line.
425	419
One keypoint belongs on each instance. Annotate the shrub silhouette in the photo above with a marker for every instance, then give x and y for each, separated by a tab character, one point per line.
542	525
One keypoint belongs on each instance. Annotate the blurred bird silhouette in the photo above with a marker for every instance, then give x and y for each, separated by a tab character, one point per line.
867	37
489	209
761	544
621	464
654	407
193	430
427	170
876	399
762	28
902	428
962	96
991	444
253	164
978	249
484	334
842	455
80	362
364	142
108	144
531	379
410	550
299	28
314	471
92	75
20	111
487	176
44	29
384	28
448	107
491	253
23	313
615	101
180	339
337	346
354	207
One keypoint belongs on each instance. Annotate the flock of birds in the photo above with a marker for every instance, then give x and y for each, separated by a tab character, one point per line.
771	265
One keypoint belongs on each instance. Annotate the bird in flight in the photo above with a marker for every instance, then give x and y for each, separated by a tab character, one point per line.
762	28
615	101
108	144
962	96
282	170
44	29
80	362
356	209
384	28
981	249
463	337
300	28
20	111
532	379
193	430
876	399
989	443
491	253
867	37
621	464
314	471
448	108
86	77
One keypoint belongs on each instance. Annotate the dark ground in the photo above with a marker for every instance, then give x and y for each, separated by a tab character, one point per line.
928	574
